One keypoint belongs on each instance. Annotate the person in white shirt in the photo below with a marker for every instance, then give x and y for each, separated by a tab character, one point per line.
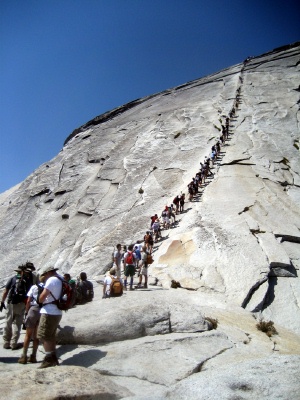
32	318
117	260
108	280
50	315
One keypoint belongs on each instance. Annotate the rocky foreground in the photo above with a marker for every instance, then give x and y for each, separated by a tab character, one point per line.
235	250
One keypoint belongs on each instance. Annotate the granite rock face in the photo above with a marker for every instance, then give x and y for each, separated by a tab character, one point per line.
235	250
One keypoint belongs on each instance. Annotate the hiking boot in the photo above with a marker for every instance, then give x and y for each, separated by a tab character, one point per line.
49	361
32	359
54	356
17	346
146	286
22	360
6	346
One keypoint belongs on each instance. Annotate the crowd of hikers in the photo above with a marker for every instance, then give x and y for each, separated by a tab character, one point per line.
135	259
37	301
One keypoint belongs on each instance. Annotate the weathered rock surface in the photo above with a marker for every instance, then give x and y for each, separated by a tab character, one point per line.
273	377
58	383
236	247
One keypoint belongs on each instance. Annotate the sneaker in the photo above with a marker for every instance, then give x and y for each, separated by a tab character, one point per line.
17	346
131	288
22	360
48	361
6	346
145	286
32	359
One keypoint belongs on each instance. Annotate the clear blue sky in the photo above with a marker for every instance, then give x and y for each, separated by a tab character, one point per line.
63	62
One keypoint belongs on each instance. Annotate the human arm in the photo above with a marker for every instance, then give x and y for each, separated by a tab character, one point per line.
4	295
43	295
28	304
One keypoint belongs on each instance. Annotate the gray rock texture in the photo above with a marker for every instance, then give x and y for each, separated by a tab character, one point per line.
235	250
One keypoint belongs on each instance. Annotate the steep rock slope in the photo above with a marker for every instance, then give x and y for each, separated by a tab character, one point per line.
237	247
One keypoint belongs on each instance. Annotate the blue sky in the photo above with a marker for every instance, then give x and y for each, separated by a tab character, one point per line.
63	62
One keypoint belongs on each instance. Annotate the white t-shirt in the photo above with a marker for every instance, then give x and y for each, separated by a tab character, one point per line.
54	285
33	293
108	281
139	245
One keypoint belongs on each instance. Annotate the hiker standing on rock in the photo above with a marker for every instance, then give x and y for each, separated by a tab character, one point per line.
118	260
16	290
50	315
148	240
32	318
129	261
143	269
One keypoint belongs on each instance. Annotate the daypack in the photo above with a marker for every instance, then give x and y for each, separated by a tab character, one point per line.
149	259
18	290
67	297
116	288
84	292
129	258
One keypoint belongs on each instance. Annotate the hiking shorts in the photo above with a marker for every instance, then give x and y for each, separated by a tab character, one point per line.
48	326
33	317
129	270
144	270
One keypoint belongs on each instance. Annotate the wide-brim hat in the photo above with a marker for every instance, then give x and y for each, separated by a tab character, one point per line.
29	265
19	270
48	269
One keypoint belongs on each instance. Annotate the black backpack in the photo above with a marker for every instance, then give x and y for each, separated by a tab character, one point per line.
18	290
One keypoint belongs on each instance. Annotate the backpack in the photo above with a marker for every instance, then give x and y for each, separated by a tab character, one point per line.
67	297
129	258
84	292
116	288
149	259
18	290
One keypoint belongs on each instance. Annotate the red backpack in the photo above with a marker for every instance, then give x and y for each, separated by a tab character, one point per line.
67	297
129	258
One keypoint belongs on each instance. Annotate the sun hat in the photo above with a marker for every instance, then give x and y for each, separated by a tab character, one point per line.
48	269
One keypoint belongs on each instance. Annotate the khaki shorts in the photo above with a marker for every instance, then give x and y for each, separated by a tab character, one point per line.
33	317
48	326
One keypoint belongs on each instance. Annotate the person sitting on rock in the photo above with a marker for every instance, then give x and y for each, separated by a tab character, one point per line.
84	290
108	284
